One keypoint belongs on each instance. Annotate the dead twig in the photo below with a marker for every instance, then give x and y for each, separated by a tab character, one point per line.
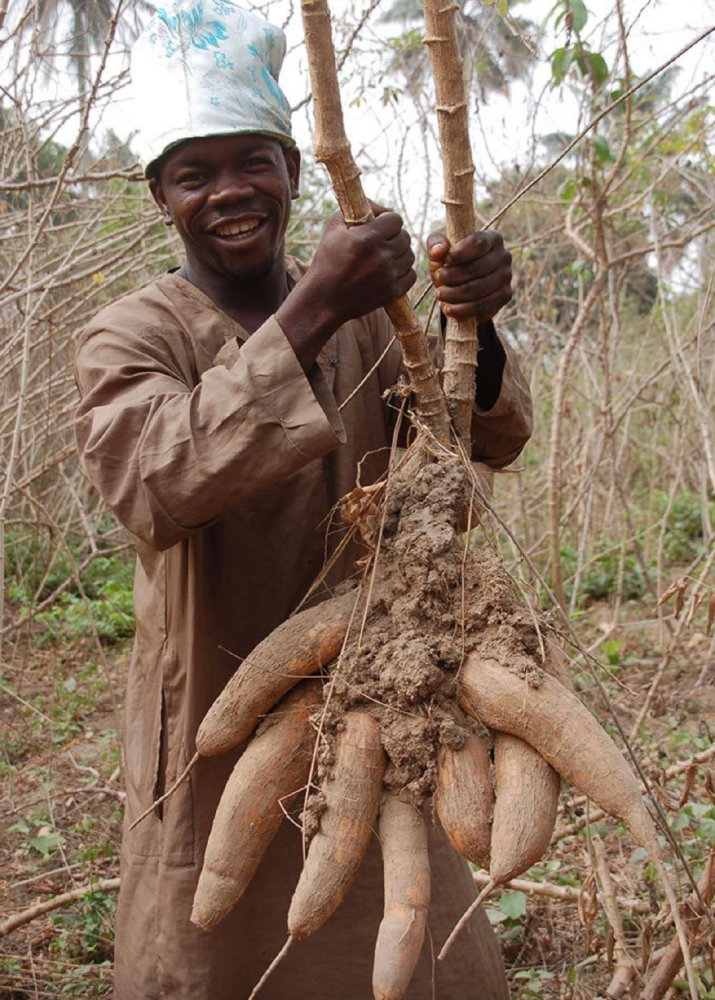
665	972
31	913
626	968
561	893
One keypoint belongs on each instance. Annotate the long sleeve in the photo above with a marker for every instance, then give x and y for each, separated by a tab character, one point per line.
171	448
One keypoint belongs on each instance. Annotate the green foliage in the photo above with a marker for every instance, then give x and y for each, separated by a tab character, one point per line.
695	825
683	541
55	714
588	64
600	576
85	930
36	566
508	914
47	158
684	530
513	904
110	610
574	14
532	981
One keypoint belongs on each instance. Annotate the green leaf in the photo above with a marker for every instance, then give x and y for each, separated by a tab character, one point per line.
495	916
567	191
561	60
707	831
611	648
597	67
579	14
550	14
45	844
513	904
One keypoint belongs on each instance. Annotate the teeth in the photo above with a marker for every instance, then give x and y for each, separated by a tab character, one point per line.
235	228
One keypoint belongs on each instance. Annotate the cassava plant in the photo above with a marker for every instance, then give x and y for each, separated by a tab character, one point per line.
411	678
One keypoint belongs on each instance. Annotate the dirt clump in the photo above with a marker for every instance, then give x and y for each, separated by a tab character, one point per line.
434	598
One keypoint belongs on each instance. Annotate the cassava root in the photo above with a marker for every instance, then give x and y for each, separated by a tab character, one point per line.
403	839
272	769
352	799
299	647
464	799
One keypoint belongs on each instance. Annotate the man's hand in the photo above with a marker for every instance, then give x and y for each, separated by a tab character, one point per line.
472	278
353	271
363	267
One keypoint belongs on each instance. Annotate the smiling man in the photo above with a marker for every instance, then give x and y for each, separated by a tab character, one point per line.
212	421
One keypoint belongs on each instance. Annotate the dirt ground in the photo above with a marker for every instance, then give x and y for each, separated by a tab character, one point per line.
61	806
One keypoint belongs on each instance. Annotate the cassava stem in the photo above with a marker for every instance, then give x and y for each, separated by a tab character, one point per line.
333	149
461	338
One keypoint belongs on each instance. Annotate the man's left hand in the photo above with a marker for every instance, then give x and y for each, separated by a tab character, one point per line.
472	278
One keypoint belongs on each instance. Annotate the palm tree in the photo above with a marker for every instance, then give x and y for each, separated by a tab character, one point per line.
495	51
77	29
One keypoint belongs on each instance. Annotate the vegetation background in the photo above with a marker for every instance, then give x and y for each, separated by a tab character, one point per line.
611	509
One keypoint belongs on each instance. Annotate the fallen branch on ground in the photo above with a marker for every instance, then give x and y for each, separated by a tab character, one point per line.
560	893
31	913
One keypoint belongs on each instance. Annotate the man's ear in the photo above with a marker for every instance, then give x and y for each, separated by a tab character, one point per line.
157	193
292	158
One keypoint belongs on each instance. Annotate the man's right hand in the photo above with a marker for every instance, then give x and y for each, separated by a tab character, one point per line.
354	271
364	267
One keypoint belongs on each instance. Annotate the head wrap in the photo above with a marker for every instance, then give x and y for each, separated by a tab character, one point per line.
207	68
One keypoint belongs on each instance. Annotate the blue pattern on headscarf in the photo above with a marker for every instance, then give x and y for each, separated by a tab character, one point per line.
211	68
188	28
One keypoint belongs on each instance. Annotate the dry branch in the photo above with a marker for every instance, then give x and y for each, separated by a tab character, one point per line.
665	972
560	893
31	913
626	967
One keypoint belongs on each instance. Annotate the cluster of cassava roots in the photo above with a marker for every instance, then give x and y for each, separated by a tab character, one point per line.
429	680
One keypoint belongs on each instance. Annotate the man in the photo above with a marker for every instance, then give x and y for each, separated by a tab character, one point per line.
210	421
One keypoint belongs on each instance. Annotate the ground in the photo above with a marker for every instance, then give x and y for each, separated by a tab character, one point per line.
61	806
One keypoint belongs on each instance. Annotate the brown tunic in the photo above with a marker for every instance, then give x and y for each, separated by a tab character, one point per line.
223	459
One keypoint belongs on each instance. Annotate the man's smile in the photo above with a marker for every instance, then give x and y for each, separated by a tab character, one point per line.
236	227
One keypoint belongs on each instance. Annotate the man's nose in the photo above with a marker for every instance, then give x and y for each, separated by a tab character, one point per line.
231	184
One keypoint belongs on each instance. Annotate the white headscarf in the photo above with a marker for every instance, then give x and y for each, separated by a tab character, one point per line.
207	68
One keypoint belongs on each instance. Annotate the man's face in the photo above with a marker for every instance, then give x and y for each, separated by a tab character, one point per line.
229	197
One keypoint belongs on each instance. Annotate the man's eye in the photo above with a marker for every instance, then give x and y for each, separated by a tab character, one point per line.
259	161
190	177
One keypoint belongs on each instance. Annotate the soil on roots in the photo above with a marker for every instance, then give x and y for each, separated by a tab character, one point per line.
434	597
